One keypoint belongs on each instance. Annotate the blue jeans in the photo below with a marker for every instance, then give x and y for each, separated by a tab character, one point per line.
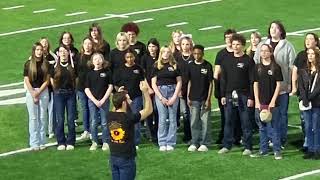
185	112
65	100
85	110
152	122
230	114
51	115
200	124
123	168
265	128
167	130
312	129
283	100
37	118
136	106
99	115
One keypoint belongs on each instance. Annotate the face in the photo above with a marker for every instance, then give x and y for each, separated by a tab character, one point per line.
310	41
38	52
129	59
132	36
254	40
97	62
311	55
185	45
87	45
265	52
94	33
63	54
166	54
237	47
197	54
152	48
66	39
44	43
176	38
275	31
122	42
227	40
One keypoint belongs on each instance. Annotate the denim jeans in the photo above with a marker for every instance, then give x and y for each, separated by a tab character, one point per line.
167	130
185	112
51	115
123	168
65	100
85	110
37	118
283	100
99	115
200	124
230	113
136	106
264	131
153	121
312	127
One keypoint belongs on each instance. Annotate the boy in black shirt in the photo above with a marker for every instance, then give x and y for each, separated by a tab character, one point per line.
121	126
237	94
199	99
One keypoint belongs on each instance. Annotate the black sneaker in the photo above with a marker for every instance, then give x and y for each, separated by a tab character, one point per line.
308	155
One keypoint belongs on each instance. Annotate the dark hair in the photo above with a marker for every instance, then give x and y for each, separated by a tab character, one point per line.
118	98
229	31
98	47
317	59
198	46
155	42
316	38
82	50
130	26
71	37
32	74
283	34
240	38
49	46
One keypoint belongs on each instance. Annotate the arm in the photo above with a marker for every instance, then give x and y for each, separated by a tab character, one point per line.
147	106
302	91
291	56
107	94
156	90
91	97
188	92
256	95
294	78
275	96
223	85
176	91
208	100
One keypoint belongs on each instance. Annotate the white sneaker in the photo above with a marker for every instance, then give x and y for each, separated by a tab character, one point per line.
93	146
223	151
203	148
192	148
162	148
170	148
35	149
51	135
246	152
61	148
85	135
70	147
42	147
105	147
137	147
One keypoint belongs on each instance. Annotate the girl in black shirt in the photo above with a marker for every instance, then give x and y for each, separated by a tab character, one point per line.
117	54
99	44
67	40
36	80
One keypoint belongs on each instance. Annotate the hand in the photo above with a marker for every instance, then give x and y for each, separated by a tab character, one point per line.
35	94
150	91
143	86
164	101
207	105
189	102
271	105
36	100
223	101
129	101
250	103
180	94
293	92
171	101
121	89
258	106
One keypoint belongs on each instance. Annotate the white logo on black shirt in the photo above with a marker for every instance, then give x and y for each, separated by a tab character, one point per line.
204	71
137	51
170	69
136	71
240	65
103	75
270	72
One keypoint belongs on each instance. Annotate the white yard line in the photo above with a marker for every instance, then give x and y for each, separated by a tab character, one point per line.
76	13
116	15
245	31
9	92
302	175
294	126
12	84
103	18
210	27
13	7
295	34
176	24
43	10
143	20
21	100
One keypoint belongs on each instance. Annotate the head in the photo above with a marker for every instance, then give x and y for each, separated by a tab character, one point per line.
311	40
132	30
186	44
95	31
97	61
227	35
37	51
66	39
276	30
175	35
63	53
266	52
120	100
238	43
130	57
165	56
255	38
36	56
87	46
45	44
313	56
198	52
153	47
122	41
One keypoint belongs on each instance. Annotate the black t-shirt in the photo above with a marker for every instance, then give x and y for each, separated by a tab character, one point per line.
147	63
104	50
183	65
167	75
301	60
121	127
267	77
140	49
82	70
117	58
39	79
98	82
273	44
200	76
67	76
130	78
237	74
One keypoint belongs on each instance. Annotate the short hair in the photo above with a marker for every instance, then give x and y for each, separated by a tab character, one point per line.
130	26
155	42
283	34
229	31
240	38
198	46
118	98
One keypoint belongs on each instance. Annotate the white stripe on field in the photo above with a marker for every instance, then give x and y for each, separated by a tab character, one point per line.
76	13
116	15
176	24
12	84
9	92
43	10
302	175
245	31
295	34
13	7
21	100
103	18
143	20
294	126
210	27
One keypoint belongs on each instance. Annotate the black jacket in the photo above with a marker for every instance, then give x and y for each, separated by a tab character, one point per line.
304	87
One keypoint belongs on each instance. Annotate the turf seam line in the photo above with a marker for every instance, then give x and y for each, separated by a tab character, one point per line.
209	28
176	24
76	13
43	10
143	20
13	7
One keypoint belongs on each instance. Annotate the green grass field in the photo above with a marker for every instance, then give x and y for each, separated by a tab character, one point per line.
151	164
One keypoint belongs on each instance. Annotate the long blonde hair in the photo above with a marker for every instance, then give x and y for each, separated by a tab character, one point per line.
257	35
159	63
172	45
32	75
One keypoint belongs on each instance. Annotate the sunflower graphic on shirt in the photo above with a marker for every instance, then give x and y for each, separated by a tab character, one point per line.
117	133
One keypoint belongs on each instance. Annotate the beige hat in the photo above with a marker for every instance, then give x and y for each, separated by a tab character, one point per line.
265	115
